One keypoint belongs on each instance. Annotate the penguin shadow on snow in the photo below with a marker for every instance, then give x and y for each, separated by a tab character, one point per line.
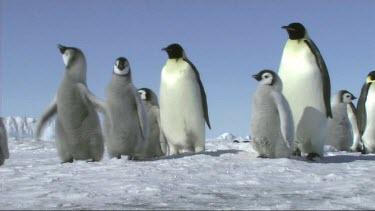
217	153
347	158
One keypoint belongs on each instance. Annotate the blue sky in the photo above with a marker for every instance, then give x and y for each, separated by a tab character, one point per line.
227	40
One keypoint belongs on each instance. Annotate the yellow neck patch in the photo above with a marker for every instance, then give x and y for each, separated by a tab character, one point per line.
368	79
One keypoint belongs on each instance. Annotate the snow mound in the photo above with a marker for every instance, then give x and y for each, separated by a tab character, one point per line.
24	128
226	137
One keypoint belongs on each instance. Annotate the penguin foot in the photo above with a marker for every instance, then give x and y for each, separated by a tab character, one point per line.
91	161
312	155
67	161
363	151
297	152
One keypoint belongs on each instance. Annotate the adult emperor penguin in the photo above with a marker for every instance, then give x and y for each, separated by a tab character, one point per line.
366	114
271	118
307	89
4	151
340	133
357	145
157	142
126	128
183	104
78	131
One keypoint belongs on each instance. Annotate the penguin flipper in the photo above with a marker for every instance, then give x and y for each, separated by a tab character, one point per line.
163	140
286	119
324	74
47	115
203	93
141	114
361	108
3	140
98	103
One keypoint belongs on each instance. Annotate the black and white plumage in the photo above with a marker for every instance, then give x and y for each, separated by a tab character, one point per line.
157	144
4	151
357	145
366	113
78	131
307	89
271	125
340	132
183	103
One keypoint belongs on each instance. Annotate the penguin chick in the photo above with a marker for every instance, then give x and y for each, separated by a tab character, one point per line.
157	143
340	133
271	119
78	131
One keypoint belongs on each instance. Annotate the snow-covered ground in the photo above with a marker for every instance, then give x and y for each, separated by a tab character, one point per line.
227	176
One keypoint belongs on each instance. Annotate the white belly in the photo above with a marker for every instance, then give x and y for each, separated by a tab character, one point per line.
302	87
302	83
369	134
181	111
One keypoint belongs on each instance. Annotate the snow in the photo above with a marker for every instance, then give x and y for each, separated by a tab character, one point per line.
20	128
226	176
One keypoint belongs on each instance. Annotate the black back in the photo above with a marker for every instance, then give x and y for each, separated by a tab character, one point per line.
361	108
203	93
324	74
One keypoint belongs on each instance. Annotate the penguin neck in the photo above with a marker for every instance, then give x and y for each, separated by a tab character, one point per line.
174	60
77	72
121	79
306	37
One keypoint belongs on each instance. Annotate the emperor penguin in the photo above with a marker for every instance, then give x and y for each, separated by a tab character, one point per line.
340	133
357	145
125	125
307	89
157	142
271	118
78	131
4	151
366	113
183	103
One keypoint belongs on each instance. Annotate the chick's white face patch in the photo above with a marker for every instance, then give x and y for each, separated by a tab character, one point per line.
124	71
347	98
267	79
67	57
142	93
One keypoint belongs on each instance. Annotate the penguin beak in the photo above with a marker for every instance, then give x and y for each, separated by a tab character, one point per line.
257	77
353	97
288	28
62	48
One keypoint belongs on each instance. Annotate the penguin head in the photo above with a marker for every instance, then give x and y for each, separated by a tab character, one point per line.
145	95
174	51
148	95
266	77
346	96
370	77
70	55
296	31
121	67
